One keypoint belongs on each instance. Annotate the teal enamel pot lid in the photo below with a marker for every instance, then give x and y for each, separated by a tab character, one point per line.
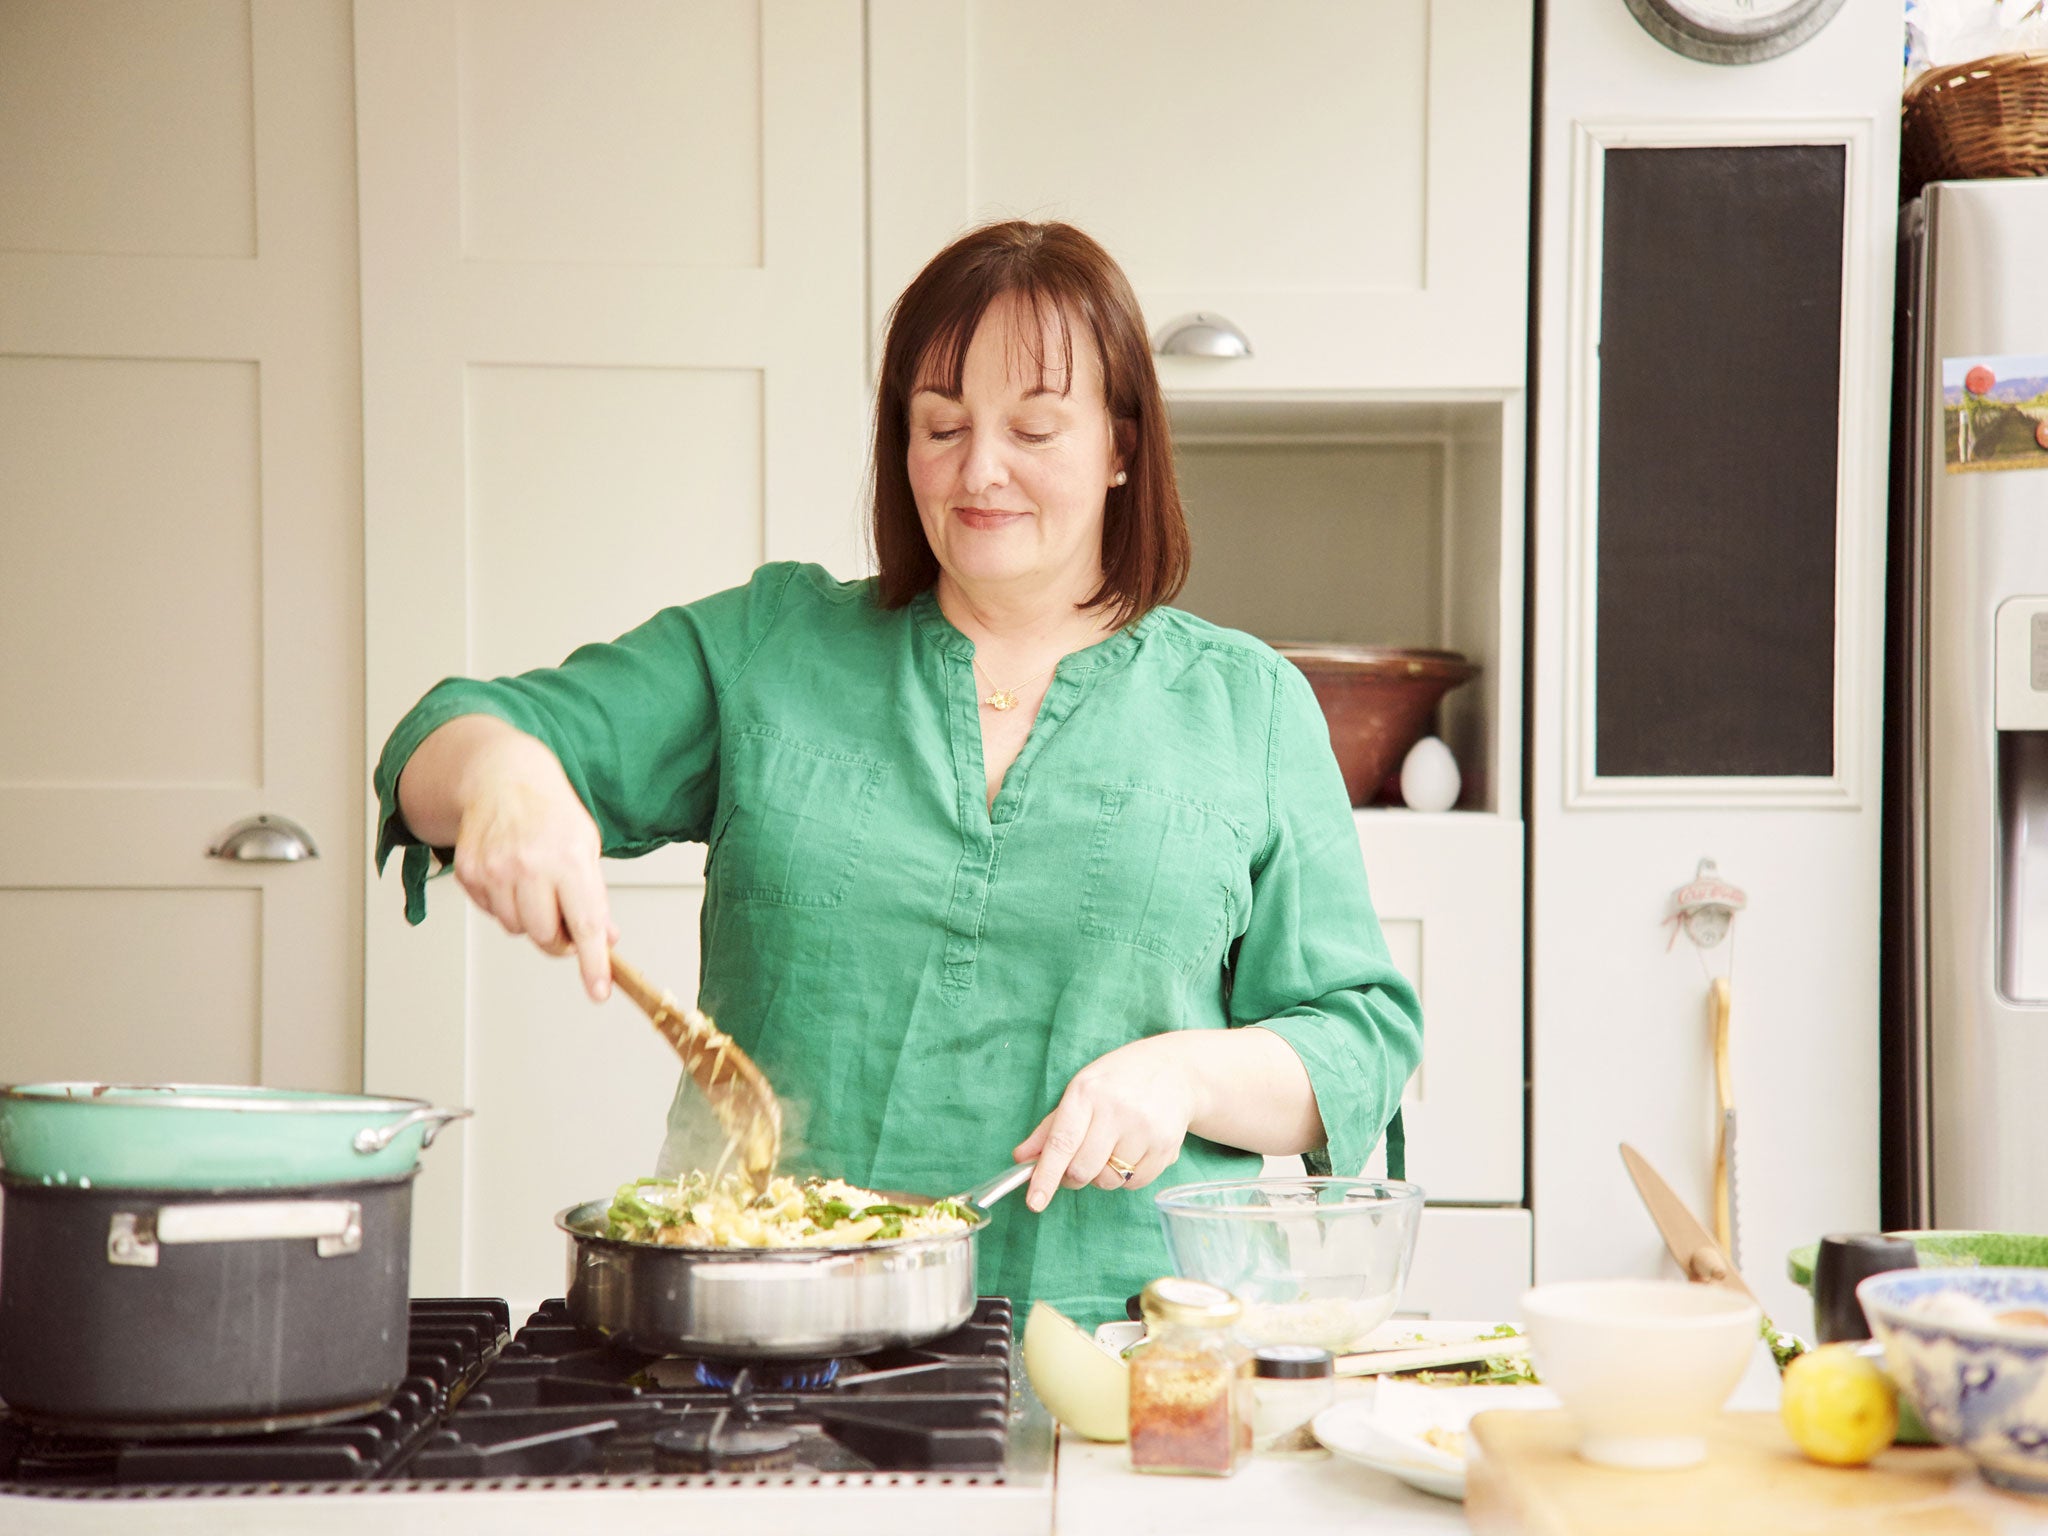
208	1136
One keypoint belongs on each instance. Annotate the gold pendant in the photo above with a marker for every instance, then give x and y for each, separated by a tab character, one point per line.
1002	698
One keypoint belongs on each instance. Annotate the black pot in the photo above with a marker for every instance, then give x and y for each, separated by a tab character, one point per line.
136	1313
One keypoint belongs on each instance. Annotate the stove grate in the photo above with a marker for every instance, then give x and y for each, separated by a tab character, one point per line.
451	1344
483	1411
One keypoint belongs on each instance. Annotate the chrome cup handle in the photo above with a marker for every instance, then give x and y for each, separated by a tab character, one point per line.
375	1138
987	1194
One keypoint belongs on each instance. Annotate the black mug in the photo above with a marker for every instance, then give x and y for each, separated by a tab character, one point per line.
1844	1259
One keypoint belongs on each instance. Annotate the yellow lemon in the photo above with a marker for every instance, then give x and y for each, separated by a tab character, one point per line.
1839	1406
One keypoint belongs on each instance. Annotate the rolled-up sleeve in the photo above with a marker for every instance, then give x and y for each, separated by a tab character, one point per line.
1312	965
634	722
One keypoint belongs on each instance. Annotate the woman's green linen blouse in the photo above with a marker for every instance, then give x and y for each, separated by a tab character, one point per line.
1172	849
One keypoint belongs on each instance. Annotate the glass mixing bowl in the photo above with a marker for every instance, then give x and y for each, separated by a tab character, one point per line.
1314	1260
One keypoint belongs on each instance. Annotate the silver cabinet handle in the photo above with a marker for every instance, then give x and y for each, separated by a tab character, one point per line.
377	1138
265	840
1201	335
336	1226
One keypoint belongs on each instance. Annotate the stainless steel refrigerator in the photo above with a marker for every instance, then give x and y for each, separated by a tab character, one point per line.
1966	899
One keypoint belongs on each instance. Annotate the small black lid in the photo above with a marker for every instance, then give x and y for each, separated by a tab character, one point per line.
1293	1360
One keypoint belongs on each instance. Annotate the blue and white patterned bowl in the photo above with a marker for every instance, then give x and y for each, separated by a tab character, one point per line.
1981	1387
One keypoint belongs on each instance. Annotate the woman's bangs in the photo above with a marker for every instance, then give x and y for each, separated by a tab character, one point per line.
942	366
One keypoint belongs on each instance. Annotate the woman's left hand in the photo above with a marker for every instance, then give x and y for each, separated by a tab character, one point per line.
1133	1105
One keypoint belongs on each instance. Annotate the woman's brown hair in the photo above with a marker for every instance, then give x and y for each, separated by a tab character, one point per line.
1064	277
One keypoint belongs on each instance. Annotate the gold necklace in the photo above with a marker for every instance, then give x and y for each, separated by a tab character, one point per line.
1006	698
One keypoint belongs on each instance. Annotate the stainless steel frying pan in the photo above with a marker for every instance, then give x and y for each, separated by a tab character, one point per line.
776	1303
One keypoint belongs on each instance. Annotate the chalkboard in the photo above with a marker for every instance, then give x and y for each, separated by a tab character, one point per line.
1720	396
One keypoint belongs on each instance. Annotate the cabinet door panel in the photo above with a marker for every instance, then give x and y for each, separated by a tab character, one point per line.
180	615
612	340
1448	890
1344	183
1469	1264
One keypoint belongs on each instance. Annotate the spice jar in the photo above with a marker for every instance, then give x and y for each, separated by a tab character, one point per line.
1291	1384
1190	1408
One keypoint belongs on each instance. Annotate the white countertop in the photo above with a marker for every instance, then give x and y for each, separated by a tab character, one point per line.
1097	1494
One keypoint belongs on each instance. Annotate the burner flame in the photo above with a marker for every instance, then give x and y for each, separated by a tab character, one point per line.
742	1376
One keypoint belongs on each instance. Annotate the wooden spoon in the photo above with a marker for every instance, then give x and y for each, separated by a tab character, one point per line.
737	1090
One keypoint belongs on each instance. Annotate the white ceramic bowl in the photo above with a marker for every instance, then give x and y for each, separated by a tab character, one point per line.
1642	1365
1978	1384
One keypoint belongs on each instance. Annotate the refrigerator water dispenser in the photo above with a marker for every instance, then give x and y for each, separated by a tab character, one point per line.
2021	716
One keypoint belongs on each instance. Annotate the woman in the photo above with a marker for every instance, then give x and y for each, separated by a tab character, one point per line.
1001	850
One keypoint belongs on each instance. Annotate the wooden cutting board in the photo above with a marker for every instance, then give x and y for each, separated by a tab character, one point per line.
1526	1479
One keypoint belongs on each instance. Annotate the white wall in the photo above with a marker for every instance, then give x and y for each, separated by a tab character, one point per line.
1619	1025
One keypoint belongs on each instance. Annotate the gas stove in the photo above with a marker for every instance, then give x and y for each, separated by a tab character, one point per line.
945	1430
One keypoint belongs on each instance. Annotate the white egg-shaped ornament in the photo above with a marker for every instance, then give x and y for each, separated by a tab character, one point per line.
1429	776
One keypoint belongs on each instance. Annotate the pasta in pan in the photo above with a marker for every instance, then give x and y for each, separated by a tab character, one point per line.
696	1211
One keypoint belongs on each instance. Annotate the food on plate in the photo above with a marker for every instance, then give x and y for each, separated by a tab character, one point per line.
696	1211
1450	1441
1502	1370
1839	1406
1081	1384
2024	1317
1785	1347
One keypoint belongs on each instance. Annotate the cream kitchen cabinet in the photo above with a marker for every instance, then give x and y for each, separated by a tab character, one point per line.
1348	185
1373	521
1469	1263
612	359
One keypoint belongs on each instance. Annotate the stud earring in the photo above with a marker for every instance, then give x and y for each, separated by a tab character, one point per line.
1119	478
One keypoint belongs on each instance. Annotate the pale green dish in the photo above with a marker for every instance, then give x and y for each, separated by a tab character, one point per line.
185	1136
1944	1250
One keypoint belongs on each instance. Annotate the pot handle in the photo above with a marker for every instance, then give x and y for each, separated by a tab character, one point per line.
133	1237
985	1195
375	1138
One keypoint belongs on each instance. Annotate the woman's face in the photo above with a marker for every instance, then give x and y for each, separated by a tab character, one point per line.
1010	477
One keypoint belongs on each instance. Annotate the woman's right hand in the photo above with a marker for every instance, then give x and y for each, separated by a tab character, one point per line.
526	850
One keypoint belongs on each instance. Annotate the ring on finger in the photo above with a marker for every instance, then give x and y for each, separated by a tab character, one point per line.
1122	1169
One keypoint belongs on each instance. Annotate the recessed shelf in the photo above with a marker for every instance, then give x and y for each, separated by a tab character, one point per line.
1370	520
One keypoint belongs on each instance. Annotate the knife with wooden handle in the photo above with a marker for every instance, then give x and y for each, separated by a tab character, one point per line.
737	1090
1691	1244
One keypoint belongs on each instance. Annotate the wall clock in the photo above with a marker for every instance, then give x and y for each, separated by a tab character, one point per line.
1732	31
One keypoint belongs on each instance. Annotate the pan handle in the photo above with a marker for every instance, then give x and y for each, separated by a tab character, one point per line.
987	1194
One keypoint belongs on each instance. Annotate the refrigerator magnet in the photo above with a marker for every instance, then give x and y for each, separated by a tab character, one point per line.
1994	412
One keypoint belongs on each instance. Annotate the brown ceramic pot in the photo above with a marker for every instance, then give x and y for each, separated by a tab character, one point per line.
1379	701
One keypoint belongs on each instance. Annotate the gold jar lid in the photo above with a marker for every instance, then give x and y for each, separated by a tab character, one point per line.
1174	1300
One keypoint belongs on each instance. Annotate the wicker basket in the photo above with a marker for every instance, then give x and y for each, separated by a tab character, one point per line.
1988	117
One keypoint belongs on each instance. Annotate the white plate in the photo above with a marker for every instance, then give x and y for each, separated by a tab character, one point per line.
1118	1337
1384	1431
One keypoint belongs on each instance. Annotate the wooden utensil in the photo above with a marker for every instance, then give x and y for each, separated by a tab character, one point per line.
1530	1481
1690	1243
736	1089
